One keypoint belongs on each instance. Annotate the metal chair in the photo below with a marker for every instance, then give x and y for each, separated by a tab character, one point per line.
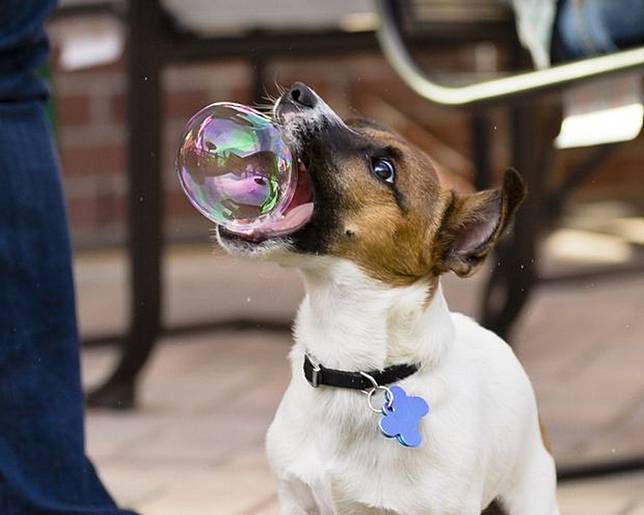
154	40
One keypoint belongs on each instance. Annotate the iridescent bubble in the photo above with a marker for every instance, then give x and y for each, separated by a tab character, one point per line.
235	168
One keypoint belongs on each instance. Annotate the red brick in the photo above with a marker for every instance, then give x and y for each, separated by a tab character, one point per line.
73	109
180	105
110	207
240	93
92	160
117	108
184	104
82	211
176	204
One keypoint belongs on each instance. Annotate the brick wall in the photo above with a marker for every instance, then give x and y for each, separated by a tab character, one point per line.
92	134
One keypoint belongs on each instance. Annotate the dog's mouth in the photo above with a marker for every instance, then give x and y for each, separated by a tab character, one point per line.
293	217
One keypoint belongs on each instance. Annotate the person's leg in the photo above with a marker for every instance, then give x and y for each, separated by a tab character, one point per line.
594	27
43	468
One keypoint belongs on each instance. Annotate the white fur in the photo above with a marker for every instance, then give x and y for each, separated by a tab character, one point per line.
295	123
481	439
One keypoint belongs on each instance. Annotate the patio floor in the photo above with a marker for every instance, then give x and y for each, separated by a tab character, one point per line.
195	445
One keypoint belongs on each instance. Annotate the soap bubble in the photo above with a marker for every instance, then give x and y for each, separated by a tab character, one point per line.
234	166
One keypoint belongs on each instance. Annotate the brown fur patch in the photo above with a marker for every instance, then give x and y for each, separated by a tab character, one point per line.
544	436
415	228
384	236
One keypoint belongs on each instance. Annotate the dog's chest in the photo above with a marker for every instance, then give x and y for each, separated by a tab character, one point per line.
338	452
328	442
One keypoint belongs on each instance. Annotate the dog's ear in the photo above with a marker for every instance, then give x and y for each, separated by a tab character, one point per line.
473	223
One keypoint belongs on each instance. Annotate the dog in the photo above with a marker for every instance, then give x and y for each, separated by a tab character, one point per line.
372	230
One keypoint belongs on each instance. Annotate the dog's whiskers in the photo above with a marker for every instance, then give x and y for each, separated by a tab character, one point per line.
280	89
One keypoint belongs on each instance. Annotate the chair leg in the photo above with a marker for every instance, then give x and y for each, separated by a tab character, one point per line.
514	272
509	285
584	171
481	144
145	222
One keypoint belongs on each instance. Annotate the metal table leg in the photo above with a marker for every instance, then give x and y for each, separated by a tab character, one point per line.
145	204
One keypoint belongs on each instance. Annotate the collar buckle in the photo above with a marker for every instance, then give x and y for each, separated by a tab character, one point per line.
315	375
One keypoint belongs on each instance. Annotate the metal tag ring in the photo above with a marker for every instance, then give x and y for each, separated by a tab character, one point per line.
389	397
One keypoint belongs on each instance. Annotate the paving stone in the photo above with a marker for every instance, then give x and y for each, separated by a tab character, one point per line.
240	487
623	438
202	286
637	509
612	496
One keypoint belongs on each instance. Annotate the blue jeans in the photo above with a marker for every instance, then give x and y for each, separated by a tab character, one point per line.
591	27
43	468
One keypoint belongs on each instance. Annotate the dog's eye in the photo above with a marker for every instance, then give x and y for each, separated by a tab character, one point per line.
383	169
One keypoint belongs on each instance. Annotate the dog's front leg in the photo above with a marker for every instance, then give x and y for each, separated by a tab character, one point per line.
534	491
296	498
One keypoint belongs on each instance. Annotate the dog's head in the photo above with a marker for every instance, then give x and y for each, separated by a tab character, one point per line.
377	201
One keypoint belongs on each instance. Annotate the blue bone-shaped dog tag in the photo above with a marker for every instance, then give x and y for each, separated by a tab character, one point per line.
401	418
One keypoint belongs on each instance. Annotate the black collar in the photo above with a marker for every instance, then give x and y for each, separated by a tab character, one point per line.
318	375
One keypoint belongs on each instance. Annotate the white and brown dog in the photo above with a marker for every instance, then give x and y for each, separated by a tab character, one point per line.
372	230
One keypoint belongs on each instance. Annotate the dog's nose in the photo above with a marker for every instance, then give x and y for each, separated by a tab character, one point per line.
302	96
